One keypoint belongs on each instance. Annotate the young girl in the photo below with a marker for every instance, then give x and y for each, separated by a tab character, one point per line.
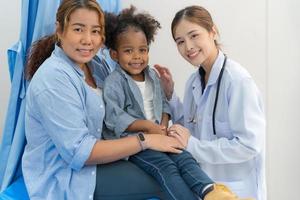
135	104
222	107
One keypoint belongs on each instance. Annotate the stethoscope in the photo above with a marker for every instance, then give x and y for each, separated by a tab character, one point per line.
193	109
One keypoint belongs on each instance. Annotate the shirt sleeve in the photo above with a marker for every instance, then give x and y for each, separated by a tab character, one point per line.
61	111
116	119
176	108
247	123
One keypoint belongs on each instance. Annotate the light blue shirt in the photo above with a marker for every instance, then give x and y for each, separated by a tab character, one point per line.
63	120
235	155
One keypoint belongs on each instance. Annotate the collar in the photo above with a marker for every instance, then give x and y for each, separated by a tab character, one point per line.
216	69
126	75
59	52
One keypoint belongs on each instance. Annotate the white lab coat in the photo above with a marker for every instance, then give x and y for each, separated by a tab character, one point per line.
235	155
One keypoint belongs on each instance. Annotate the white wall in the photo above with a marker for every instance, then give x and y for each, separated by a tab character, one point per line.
263	35
283	97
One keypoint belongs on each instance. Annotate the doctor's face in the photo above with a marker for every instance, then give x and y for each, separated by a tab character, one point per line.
195	43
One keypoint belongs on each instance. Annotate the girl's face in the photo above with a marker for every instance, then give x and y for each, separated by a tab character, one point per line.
132	53
195	43
81	38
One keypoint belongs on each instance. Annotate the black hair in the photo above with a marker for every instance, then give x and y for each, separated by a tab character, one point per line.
118	24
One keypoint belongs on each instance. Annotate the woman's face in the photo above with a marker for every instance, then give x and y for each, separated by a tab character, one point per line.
195	43
81	38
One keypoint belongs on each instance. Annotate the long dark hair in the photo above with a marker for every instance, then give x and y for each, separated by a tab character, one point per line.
42	48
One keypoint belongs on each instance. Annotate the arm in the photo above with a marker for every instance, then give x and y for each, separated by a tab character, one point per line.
116	119
105	151
247	124
147	127
165	120
174	103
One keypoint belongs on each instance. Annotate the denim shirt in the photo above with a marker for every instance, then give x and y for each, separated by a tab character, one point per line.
63	121
124	102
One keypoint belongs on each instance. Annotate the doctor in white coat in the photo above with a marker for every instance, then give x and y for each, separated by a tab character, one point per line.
222	111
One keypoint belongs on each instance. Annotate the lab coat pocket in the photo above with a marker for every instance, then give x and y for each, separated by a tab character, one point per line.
223	129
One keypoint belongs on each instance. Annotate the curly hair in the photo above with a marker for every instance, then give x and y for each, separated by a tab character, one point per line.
128	18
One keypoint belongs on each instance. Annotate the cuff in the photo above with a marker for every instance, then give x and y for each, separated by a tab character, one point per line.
83	152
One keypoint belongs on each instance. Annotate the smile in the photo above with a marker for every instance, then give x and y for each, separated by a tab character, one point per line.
193	54
85	51
136	65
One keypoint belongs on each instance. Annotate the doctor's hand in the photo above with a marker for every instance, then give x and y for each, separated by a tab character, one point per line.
181	133
166	80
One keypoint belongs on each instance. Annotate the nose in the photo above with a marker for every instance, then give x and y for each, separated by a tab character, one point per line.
136	55
189	45
86	38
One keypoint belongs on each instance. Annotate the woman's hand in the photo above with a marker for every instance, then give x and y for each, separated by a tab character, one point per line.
181	133
163	143
166	80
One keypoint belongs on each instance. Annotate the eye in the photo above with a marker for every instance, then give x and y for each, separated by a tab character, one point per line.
144	50
96	31
194	36
128	51
179	42
78	29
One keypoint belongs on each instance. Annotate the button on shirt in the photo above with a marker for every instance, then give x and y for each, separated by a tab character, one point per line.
63	120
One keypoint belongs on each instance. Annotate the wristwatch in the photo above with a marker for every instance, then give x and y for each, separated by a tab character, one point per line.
142	141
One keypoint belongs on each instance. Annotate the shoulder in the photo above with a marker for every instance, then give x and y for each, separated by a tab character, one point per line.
114	77
114	82
192	78
235	72
54	73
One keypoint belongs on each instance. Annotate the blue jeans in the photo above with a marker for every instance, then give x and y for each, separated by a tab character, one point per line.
178	174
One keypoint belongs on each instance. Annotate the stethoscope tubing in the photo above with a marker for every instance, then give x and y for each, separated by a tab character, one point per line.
193	109
217	96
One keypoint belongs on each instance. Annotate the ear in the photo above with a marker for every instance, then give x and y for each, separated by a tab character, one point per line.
58	30
113	54
215	32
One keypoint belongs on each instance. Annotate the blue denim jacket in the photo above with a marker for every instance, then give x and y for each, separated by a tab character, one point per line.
124	102
63	120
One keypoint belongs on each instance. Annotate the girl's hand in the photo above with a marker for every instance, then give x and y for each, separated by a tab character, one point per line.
181	133
166	80
154	128
163	143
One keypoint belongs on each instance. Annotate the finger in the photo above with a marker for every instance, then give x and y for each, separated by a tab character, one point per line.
159	68
174	150
179	138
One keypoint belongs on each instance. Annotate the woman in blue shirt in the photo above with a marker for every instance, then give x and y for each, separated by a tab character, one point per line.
222	110
64	110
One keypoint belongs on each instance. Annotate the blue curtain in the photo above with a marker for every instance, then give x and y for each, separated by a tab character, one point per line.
38	19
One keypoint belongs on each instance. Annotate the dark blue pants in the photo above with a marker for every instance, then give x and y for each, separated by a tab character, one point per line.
123	180
178	174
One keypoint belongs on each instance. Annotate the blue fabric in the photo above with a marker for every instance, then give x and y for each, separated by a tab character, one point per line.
178	174
38	19
121	93
15	191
